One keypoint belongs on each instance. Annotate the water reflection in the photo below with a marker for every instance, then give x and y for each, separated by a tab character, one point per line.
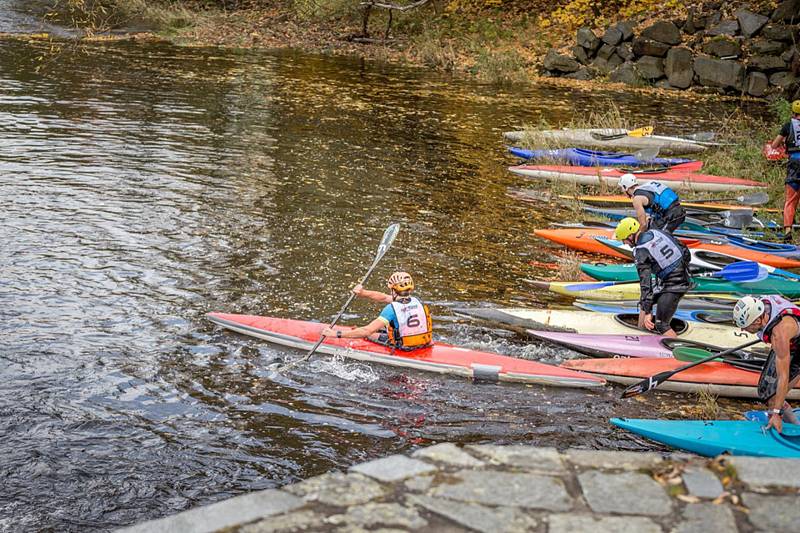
146	185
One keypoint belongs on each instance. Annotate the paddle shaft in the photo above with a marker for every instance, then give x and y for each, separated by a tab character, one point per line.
654	381
748	199
386	243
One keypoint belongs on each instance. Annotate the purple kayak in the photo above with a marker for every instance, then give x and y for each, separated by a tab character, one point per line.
644	346
652	346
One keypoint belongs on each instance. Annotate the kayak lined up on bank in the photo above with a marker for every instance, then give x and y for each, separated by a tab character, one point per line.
706	303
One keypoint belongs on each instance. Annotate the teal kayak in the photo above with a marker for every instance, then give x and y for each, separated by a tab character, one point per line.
770	285
711	438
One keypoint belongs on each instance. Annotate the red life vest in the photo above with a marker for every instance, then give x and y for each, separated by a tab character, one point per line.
779	307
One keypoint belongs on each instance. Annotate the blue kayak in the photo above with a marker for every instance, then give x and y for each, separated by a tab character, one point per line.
711	438
707	316
594	158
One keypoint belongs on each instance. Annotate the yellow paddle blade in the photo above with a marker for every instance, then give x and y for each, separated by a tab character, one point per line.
641	132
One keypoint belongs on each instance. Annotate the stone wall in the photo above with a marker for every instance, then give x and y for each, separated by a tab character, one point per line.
722	48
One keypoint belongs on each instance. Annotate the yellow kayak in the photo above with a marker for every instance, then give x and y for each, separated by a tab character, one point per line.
610	290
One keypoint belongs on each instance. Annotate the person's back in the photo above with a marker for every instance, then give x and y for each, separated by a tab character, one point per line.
789	136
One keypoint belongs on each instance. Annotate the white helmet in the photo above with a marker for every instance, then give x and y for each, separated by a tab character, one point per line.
747	310
626	181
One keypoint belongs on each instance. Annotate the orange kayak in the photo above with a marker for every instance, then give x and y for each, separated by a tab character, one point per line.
584	239
719	378
620	200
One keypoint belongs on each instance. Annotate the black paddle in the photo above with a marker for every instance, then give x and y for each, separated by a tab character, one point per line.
654	381
386	242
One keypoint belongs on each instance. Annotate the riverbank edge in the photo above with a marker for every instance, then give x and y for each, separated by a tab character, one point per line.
493	488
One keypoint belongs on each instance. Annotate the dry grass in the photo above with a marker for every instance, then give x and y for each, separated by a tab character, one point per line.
707	406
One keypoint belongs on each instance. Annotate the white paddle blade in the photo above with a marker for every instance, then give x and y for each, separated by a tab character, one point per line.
647	154
386	242
759	198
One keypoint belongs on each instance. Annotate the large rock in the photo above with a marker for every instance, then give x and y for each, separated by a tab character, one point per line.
587	39
763	47
766	63
722	47
626	73
625	51
678	67
612	36
663	32
606	51
583	74
626	28
749	22
787	11
779	32
719	73
580	54
650	68
783	79
792	54
726	27
614	61
694	22
648	47
756	84
556	62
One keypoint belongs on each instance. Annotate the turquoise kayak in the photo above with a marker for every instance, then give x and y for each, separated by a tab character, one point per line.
711	438
770	285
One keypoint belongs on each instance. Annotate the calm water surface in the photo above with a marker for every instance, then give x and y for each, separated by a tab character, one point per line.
143	186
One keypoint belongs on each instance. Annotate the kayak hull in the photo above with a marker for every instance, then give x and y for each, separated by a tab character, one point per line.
715	437
440	358
597	158
675	179
615	290
718	378
619	200
770	285
587	322
691	315
582	239
584	138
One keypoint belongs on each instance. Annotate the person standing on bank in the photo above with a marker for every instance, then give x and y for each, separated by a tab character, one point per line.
405	323
790	137
775	321
656	200
657	253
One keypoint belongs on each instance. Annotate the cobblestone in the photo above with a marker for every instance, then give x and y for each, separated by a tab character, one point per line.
513	489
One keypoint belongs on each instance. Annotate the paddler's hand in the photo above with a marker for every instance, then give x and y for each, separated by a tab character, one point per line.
358	289
775	421
648	322
642	314
329	332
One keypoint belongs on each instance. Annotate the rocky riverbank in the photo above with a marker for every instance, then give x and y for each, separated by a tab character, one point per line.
727	50
492	488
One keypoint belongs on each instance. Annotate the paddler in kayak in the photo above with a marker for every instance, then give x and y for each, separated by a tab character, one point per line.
656	201
790	137
657	253
405	322
775	321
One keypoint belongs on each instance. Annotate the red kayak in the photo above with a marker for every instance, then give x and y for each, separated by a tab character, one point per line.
674	177
718	378
440	358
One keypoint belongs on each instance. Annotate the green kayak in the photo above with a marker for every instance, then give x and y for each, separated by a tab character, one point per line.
771	285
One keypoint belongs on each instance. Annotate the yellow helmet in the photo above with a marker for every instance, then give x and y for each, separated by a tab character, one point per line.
400	281
626	227
796	107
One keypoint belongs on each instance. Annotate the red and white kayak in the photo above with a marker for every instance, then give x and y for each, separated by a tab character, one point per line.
440	358
718	378
674	177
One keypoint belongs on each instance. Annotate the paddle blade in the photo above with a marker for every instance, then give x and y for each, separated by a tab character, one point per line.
690	354
759	198
702	136
647	154
646	384
387	240
641	132
740	271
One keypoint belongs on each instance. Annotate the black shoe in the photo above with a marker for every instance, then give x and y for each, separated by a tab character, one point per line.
787	237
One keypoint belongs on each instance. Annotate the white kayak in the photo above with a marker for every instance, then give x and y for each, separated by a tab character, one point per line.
590	322
592	138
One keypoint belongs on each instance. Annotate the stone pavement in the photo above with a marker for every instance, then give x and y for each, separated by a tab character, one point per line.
496	489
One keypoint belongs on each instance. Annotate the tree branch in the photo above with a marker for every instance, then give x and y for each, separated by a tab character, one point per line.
396	7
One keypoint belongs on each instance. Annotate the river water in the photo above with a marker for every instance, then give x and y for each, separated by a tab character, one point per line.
143	186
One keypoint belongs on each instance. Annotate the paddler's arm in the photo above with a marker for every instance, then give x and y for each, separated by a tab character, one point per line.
778	141
641	214
356	333
377	296
782	335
